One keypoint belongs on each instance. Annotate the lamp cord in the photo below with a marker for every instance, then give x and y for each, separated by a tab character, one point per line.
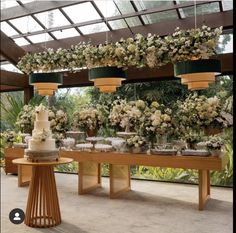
195	14
106	22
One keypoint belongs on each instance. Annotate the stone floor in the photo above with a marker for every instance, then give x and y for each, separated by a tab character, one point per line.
151	207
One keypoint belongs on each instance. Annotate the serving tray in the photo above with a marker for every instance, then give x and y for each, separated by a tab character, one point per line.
195	153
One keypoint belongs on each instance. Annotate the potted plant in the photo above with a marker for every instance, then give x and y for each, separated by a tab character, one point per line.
215	145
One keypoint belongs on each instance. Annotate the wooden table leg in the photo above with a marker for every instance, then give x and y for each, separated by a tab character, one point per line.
42	207
119	179
204	187
89	176
24	175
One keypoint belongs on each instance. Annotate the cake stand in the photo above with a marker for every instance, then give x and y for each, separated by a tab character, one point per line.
125	135
84	146
75	134
94	140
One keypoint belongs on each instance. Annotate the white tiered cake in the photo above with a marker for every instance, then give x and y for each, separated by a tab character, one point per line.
42	146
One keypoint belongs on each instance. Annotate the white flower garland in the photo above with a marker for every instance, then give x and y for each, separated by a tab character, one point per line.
152	51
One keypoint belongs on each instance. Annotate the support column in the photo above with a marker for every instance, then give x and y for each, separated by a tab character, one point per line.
28	94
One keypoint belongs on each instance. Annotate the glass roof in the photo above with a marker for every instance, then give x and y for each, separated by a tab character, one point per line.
7	29
26	24
52	19
82	12
93	28
9	67
88	17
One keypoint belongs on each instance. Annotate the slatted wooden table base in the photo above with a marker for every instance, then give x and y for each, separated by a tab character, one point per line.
43	208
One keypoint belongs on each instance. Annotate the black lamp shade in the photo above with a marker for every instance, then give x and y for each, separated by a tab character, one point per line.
46	78
197	66
106	72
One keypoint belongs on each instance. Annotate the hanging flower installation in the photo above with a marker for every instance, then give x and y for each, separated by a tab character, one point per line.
152	51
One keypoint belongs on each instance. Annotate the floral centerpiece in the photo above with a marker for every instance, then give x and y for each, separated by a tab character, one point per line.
25	119
157	122
88	119
9	137
136	143
125	114
215	144
198	112
59	122
191	138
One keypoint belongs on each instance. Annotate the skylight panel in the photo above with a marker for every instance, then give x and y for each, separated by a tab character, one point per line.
52	19
65	33
144	5
125	7
26	24
93	28
82	12
9	67
21	41
7	29
118	24
227	5
107	8
133	21
160	16
44	37
7	4
202	9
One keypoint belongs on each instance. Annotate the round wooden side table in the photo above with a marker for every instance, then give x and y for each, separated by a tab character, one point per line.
42	206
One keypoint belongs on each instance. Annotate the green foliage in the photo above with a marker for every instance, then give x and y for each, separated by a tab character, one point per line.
224	177
71	167
11	105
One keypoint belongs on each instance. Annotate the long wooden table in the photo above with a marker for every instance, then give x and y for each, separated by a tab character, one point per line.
119	164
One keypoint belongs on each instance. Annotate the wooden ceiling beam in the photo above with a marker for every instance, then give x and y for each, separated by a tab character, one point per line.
10	50
13	79
34	8
166	72
80	79
6	88
213	20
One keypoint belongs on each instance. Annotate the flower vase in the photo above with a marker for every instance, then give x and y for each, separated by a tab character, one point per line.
91	132
216	153
162	139
136	150
127	128
191	145
211	131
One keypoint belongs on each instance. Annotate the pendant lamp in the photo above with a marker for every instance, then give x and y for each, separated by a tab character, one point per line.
108	78
197	71
46	83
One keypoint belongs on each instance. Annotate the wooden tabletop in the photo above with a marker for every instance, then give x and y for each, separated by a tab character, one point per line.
24	161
